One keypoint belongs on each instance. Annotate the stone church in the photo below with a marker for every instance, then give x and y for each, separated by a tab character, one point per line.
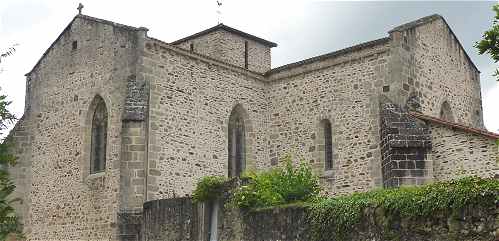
115	118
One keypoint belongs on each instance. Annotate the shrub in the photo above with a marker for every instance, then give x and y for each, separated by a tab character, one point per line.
209	188
277	186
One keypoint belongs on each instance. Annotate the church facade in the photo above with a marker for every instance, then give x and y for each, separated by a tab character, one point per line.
114	118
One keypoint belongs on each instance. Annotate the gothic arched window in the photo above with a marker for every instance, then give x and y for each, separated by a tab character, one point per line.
328	144
237	145
99	137
446	112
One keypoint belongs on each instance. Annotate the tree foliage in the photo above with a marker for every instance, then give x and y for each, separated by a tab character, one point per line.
8	221
490	40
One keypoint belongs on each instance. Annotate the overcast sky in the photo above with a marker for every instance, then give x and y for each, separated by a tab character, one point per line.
301	29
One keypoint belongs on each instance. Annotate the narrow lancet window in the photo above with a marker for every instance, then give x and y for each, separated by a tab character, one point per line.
246	54
237	152
99	137
328	144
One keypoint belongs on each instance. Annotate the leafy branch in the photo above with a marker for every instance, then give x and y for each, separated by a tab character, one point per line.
490	41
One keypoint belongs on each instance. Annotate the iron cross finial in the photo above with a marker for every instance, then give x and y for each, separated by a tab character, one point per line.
80	7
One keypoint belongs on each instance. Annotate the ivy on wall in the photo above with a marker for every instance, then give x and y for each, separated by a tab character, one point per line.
338	216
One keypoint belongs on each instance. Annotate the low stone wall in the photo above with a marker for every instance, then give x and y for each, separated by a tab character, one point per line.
178	219
170	219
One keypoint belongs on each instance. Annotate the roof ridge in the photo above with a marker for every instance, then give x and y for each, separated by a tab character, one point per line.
327	55
108	22
229	29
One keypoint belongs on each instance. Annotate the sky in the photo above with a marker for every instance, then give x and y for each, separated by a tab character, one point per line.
302	29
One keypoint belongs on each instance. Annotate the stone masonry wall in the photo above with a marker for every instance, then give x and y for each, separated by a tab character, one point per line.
229	48
207	45
405	146
89	58
191	100
343	89
457	153
432	65
178	220
171	219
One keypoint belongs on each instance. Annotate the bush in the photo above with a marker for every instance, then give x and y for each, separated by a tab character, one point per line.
209	188
277	186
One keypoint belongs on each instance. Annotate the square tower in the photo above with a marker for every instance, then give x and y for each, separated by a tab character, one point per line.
231	46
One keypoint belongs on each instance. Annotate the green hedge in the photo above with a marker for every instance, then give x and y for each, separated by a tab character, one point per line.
334	217
209	188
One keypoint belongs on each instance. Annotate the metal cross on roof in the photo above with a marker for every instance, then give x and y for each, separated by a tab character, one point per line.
80	7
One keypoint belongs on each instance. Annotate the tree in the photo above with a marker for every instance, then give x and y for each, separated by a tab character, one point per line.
9	223
490	42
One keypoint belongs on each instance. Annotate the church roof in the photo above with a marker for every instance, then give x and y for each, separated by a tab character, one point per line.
329	55
228	29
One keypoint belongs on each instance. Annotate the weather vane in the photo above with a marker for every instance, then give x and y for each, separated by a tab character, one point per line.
80	7
219	11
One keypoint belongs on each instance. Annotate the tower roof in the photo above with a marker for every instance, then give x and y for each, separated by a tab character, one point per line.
228	29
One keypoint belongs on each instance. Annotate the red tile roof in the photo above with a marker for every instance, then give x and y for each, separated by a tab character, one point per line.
455	125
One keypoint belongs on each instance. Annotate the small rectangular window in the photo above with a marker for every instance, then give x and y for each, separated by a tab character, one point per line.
191	47
246	54
386	88
75	45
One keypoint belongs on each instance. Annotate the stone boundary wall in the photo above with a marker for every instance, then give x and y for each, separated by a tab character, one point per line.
177	219
170	219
